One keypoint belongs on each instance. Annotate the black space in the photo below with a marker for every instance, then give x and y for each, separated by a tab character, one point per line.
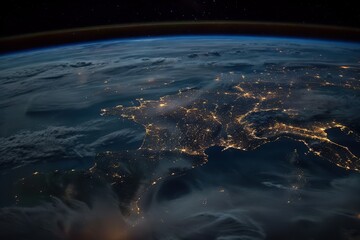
19	17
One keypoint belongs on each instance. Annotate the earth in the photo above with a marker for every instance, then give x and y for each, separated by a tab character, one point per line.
184	137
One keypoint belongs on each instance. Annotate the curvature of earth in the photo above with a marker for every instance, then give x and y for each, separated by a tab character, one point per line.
213	137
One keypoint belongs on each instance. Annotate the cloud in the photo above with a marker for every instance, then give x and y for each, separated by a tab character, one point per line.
236	195
132	135
102	219
55	142
211	207
57	220
202	214
26	147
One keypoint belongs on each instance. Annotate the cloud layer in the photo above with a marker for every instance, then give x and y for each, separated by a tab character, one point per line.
60	142
238	195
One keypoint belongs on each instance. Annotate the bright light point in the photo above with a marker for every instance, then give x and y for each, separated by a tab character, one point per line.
103	112
162	104
344	67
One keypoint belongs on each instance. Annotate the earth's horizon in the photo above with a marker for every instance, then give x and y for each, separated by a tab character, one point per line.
26	41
